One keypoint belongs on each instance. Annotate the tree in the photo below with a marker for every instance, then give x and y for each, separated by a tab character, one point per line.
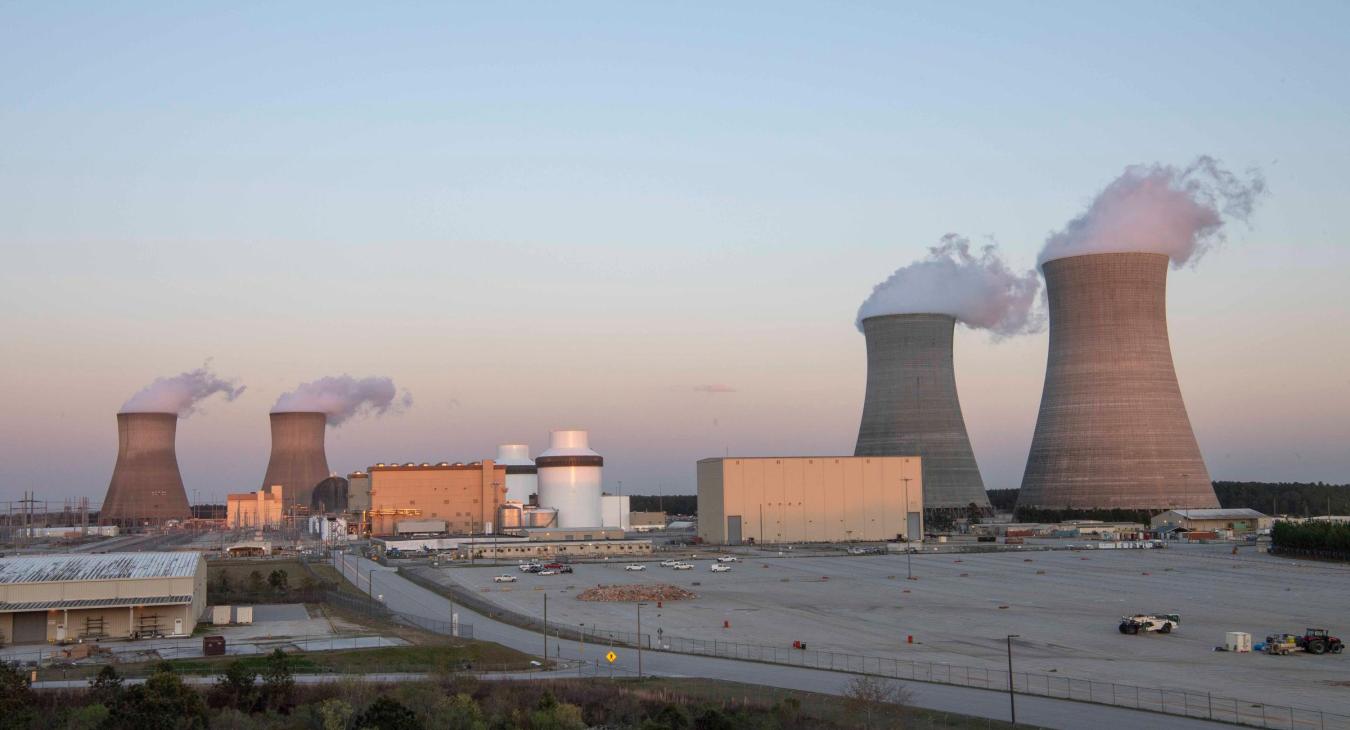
223	583
387	714
278	681
162	703
237	687
279	581
335	714
869	697
255	582
16	698
973	514
669	717
106	686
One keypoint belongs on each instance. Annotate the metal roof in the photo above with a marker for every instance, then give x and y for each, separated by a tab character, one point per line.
76	603
107	566
1217	514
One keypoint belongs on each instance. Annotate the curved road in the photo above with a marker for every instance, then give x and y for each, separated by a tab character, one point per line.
403	596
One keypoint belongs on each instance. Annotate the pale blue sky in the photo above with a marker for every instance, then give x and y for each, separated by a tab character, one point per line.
543	215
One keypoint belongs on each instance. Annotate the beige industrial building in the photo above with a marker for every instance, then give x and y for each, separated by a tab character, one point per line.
778	499
466	497
66	597
557	549
1235	521
264	508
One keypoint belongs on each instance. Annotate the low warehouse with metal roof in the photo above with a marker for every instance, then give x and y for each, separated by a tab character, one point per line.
59	598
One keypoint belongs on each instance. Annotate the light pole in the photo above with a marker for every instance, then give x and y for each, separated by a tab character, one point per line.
1012	696
639	638
909	537
581	646
545	627
370	583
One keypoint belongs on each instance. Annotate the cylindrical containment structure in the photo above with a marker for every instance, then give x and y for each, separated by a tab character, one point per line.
146	485
521	473
911	408
298	462
1112	430
569	479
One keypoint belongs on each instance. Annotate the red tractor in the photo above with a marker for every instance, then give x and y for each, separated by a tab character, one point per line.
1318	641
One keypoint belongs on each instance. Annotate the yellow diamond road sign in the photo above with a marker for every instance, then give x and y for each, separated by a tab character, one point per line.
611	657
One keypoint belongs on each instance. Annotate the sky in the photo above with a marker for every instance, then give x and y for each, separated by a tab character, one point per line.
655	222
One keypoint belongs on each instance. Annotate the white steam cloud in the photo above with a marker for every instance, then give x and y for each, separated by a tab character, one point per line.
1160	209
343	396
979	291
181	393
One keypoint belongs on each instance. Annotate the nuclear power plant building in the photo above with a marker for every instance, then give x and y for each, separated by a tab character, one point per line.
459	498
911	408
146	486
1112	431
778	499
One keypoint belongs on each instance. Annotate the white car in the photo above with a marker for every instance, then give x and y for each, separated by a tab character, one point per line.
527	567
504	579
635	566
682	566
728	559
547	572
719	568
669	563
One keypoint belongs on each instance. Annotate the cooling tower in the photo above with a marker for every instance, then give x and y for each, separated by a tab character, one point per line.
911	407
146	485
569	479
298	462
1113	430
521	473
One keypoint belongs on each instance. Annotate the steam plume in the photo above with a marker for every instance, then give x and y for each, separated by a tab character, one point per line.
343	396
181	393
1160	209
980	291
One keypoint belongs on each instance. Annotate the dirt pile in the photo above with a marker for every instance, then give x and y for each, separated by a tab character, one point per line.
647	592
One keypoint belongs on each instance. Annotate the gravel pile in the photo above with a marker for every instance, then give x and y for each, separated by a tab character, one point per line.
648	592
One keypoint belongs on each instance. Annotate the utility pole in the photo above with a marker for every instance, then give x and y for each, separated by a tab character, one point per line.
639	638
545	626
1012	696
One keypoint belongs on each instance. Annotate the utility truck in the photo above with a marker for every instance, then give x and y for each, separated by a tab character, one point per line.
1162	623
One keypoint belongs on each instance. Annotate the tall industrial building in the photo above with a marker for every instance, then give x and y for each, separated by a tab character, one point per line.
522	478
146	485
569	479
911	407
1113	430
298	461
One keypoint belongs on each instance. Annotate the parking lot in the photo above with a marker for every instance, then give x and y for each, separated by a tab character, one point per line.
1063	605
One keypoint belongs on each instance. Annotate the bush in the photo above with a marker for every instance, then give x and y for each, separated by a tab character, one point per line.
16	698
387	714
236	688
1327	536
162	703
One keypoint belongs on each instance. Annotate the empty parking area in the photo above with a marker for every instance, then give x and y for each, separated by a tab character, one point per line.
1064	605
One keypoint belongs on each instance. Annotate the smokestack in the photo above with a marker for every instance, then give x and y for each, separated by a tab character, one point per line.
146	484
298	461
1112	430
911	407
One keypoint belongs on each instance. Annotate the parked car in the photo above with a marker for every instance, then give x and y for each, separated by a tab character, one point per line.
728	559
564	569
669	563
719	568
547	572
529	567
553	566
504	578
682	566
635	566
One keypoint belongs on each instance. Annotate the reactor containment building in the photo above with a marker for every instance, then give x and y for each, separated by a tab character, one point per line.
1112	432
911	407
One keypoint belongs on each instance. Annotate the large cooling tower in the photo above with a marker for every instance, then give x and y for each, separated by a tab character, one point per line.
298	462
521	472
146	485
1112	431
911	407
569	479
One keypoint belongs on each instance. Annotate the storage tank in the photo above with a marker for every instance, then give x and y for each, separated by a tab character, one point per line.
569	478
521	473
511	516
540	517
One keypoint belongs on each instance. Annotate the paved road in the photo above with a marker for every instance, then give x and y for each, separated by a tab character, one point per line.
404	596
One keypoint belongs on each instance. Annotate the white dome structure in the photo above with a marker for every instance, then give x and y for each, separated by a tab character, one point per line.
522	478
569	474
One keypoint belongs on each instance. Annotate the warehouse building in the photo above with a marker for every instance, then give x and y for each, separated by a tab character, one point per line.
1234	521
464	497
780	499
59	598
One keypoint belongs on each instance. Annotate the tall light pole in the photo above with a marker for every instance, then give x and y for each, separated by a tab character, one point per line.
639	638
545	627
1012	696
581	646
909	537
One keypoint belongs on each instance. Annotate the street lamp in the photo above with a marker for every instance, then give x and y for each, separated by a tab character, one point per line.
1012	696
581	646
639	638
909	535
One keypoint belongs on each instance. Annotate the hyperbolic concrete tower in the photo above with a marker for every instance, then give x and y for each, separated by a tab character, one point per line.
146	485
298	461
1113	430
911	407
